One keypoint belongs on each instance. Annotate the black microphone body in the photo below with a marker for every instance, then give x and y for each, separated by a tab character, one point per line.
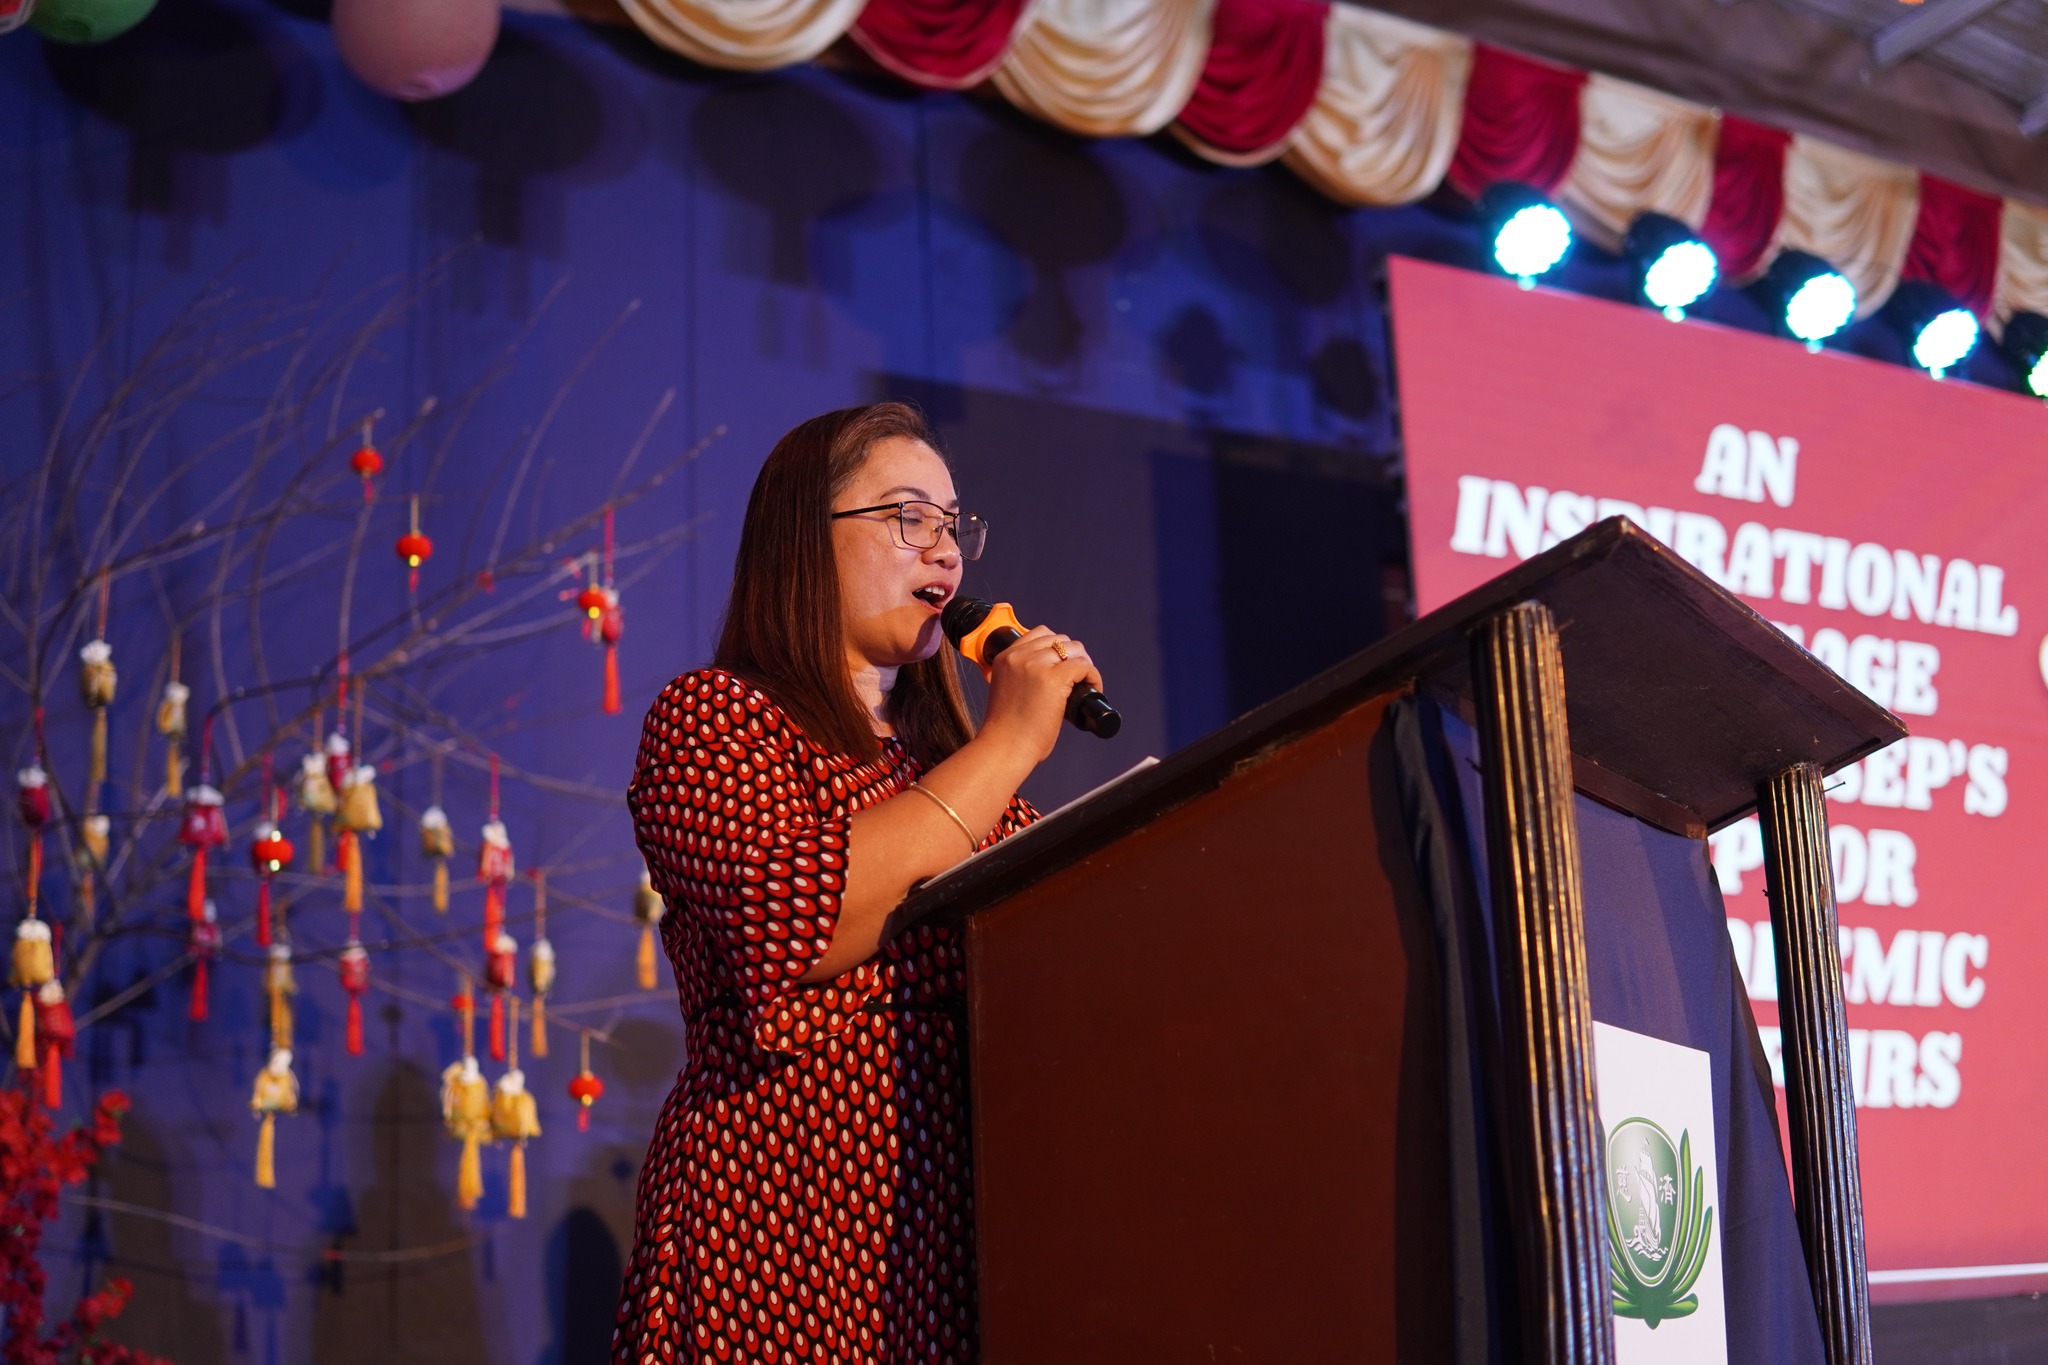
1087	708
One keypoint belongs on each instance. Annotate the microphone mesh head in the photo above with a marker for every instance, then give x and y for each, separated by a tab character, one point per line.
961	616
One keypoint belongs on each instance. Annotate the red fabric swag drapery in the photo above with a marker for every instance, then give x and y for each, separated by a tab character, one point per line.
938	44
1749	194
1265	64
1956	242
1521	123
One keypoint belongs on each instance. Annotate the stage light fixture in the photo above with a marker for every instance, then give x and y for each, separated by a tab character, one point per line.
1940	331
2026	341
1529	234
1674	268
1815	300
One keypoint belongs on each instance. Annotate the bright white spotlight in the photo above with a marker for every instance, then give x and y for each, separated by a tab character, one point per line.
1680	277
1945	340
1674	269
1820	307
2026	342
1527	233
1531	241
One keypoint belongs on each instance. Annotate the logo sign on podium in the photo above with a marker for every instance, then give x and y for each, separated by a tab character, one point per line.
1664	1245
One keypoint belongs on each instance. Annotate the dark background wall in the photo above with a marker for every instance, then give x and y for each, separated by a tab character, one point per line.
1166	384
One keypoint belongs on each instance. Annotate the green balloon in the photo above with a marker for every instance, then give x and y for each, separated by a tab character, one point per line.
87	21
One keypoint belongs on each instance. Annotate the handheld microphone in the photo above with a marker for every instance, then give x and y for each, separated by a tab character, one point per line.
981	630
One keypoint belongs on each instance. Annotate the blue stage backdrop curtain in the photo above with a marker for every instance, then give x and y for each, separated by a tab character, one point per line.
1660	963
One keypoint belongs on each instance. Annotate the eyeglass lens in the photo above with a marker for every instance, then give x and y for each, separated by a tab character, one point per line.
922	524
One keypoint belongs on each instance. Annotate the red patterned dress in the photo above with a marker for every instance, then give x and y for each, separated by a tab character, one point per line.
807	1196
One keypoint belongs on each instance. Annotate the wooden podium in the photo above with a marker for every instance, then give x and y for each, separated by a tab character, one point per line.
1208	1124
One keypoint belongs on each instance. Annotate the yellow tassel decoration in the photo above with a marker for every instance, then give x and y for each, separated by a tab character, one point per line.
351	854
25	1036
540	1026
515	1118
440	886
466	1111
469	1176
648	908
281	985
316	847
515	1192
266	1153
646	958
276	1092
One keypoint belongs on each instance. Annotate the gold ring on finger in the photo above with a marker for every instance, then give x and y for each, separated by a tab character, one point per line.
1059	647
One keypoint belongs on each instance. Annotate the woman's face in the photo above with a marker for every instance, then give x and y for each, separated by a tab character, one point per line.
890	593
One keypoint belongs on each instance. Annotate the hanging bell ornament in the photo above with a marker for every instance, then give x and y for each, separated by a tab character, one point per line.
415	549
202	942
354	963
170	723
56	1034
204	826
269	854
359	816
501	969
96	680
585	1088
33	800
276	1092
88	859
466	1111
280	985
540	978
515	1118
317	798
648	908
437	842
494	869
34	962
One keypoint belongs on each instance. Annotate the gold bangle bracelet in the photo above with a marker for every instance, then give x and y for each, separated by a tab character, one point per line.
973	844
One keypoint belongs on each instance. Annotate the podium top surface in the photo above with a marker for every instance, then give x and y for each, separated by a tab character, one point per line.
1679	697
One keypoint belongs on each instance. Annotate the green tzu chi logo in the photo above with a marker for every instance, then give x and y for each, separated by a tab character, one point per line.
1659	1222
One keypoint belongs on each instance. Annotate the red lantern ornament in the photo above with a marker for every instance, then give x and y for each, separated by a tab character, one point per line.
204	826
585	1089
354	963
501	968
270	853
204	945
494	869
415	549
56	1033
367	464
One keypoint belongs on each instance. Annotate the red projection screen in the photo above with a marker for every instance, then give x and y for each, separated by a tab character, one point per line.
1896	526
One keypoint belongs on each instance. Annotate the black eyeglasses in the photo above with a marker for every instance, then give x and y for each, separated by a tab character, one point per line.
919	525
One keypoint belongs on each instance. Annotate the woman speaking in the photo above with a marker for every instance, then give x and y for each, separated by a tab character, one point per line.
807	1196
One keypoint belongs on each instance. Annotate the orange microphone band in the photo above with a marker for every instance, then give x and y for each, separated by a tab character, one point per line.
975	642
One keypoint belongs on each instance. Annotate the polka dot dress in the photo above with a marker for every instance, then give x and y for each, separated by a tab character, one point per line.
807	1196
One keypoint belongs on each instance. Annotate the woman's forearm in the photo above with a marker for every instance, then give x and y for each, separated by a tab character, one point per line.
909	838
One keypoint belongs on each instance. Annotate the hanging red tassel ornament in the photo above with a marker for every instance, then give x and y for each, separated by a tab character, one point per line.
415	549
610	626
354	963
203	943
648	908
276	1092
585	1089
494	869
203	827
340	764
33	800
34	963
56	1033
270	853
501	968
367	464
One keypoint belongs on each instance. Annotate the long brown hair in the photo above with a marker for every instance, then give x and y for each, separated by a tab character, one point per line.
782	629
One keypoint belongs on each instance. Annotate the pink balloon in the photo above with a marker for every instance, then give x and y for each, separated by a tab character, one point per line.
415	49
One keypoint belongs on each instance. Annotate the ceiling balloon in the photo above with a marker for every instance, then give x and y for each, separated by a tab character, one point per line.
87	21
415	49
